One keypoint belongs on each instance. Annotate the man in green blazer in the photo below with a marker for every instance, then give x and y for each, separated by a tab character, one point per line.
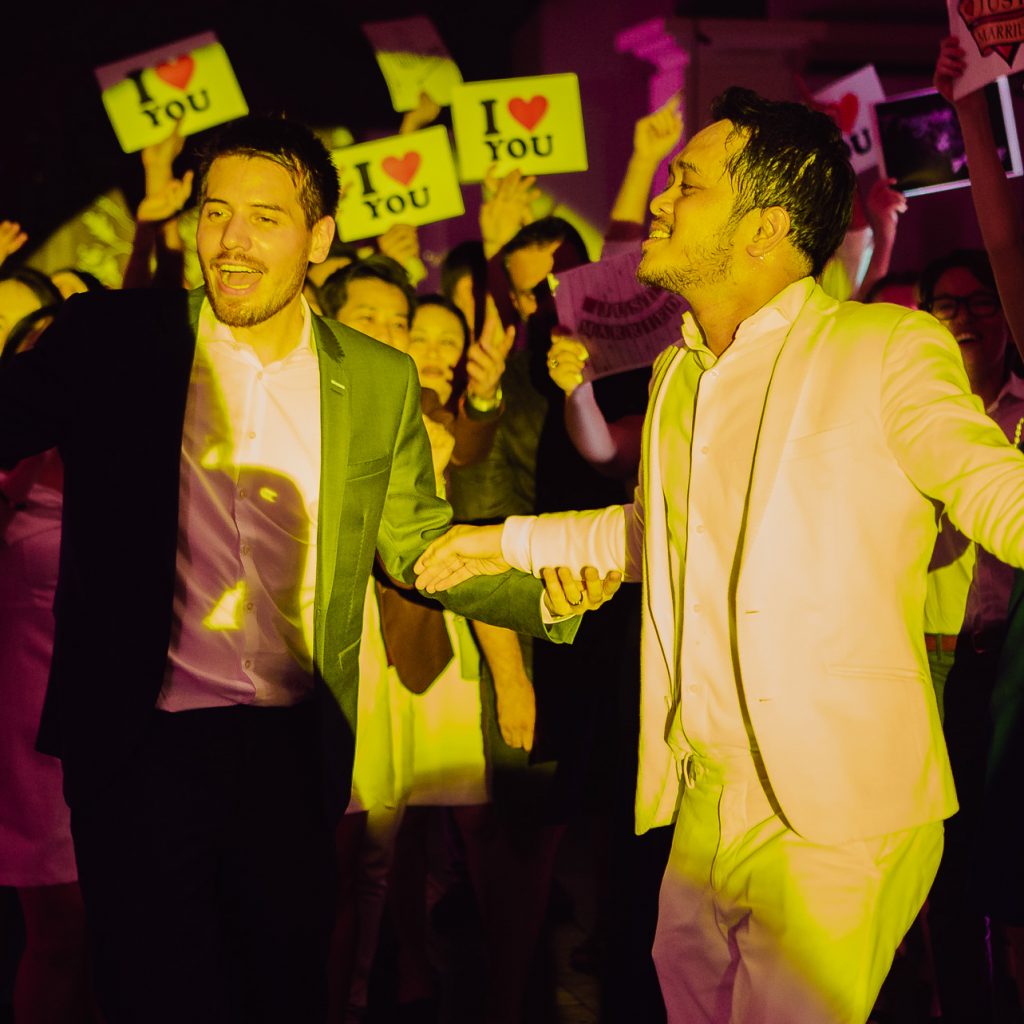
233	465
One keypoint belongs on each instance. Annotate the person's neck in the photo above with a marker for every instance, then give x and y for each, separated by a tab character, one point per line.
275	337
720	310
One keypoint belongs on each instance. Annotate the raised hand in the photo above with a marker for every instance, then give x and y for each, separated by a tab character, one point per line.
401	242
165	202
883	207
657	134
158	160
485	358
566	360
424	113
12	238
506	207
949	67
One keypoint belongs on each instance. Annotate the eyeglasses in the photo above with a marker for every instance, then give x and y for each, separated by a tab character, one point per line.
947	307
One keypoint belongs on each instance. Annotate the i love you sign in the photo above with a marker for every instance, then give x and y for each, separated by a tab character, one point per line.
535	124
190	81
849	102
403	179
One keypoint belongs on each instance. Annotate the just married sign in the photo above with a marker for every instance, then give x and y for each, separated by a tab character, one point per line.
535	124
403	179
190	81
991	33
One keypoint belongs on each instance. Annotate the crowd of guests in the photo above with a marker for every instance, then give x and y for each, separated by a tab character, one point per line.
475	747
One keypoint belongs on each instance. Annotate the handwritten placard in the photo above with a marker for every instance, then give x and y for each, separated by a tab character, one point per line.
848	102
623	323
403	179
991	35
190	81
535	124
413	59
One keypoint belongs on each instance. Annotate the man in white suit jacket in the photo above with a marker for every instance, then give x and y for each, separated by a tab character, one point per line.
795	452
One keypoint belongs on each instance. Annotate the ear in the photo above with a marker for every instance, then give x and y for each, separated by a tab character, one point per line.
770	232
323	235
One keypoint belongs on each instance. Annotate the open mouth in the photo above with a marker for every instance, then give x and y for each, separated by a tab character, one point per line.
237	278
966	339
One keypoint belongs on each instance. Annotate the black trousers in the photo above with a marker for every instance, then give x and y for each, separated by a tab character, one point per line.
207	871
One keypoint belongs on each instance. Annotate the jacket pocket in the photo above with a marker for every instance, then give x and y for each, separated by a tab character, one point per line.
368	467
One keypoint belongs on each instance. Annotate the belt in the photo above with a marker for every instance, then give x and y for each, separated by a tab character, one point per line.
940	642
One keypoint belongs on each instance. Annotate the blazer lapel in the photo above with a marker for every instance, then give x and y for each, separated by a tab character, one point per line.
335	431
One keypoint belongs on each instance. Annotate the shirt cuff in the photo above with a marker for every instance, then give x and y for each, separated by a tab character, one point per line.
515	543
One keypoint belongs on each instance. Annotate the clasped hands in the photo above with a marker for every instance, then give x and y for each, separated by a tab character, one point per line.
467	551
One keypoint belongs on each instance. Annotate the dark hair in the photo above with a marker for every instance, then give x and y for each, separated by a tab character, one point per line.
91	281
37	282
288	143
795	158
28	328
465	258
446	303
544	232
974	260
334	291
898	278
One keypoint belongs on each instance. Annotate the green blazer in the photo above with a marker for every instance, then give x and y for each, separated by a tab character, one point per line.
107	386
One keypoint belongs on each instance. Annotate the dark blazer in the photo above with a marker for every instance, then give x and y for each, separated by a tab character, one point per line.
106	385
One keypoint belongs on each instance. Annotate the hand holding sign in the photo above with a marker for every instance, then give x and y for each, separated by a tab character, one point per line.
567	359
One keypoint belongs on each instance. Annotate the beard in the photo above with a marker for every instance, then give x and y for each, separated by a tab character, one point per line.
248	311
709	264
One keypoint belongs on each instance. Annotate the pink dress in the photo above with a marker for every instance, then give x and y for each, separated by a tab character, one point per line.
35	833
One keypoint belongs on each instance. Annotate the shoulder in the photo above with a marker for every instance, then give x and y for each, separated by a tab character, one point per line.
359	347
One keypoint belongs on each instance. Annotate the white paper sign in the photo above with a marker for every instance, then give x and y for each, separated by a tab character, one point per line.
848	102
413	59
991	35
624	324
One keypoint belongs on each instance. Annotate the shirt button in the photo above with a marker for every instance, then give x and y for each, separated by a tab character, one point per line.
693	688
700	527
247	663
252	434
704	450
249	606
259	375
697	608
241	492
246	549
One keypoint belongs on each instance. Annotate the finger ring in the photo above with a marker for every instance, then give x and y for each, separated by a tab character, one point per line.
577	603
553	363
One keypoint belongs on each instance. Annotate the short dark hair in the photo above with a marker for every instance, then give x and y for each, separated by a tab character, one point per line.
37	282
894	279
445	303
795	158
288	143
545	231
334	291
465	258
974	260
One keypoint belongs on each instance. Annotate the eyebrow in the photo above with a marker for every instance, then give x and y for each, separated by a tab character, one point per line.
258	206
680	166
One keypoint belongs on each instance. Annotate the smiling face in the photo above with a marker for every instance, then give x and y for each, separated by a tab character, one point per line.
436	341
692	242
253	240
982	334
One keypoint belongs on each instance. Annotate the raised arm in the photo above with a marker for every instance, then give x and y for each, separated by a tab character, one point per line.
654	137
997	213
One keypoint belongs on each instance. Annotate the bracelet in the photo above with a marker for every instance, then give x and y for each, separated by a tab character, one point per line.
484	404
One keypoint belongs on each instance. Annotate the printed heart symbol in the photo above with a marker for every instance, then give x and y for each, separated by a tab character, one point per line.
177	72
987	28
528	113
404	170
846	111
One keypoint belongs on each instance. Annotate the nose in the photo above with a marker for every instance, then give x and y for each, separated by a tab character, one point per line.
235	234
660	203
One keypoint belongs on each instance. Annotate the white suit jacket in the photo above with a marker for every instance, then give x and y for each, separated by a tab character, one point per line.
867	418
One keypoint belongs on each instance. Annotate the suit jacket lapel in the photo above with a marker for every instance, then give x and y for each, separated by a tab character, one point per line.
335	431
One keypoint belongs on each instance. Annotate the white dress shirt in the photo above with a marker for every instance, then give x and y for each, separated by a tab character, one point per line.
250	486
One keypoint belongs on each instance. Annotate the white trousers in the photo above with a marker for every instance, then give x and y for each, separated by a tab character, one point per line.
757	925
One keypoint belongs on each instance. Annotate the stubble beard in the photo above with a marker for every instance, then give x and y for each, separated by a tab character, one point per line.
247	312
710	264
